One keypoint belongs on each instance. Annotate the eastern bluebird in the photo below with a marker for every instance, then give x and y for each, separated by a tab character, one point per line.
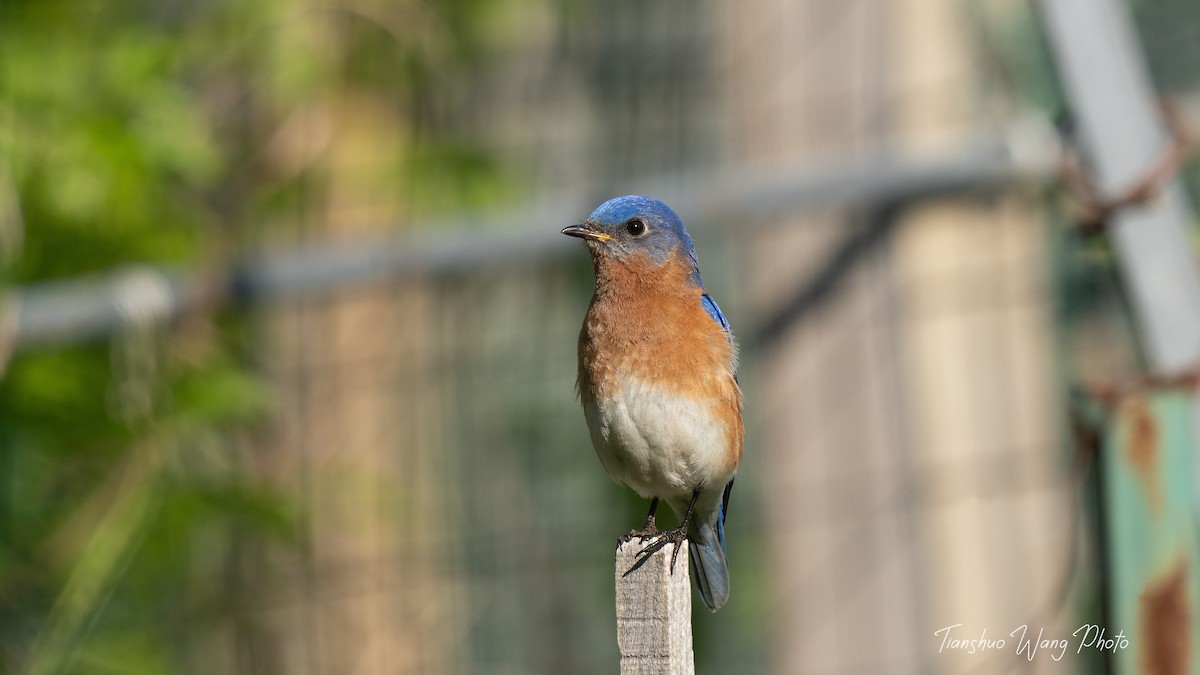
657	382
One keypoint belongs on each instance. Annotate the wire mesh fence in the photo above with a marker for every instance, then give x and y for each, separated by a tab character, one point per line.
340	456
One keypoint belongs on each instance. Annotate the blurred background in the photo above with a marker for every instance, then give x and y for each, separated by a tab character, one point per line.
287	330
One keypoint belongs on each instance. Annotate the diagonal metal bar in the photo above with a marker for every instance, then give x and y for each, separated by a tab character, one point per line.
1113	104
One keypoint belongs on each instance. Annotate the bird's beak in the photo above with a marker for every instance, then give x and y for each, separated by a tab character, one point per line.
586	231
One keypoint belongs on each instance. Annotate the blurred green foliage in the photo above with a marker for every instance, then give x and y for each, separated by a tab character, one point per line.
102	139
116	523
130	504
135	132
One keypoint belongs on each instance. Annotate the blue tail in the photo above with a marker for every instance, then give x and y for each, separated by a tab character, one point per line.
706	542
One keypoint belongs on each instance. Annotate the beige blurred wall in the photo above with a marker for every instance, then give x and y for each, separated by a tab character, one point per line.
910	450
357	434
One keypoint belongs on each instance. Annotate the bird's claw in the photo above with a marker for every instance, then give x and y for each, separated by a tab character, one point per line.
647	532
659	541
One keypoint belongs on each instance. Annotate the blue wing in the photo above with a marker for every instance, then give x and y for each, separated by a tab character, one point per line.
710	306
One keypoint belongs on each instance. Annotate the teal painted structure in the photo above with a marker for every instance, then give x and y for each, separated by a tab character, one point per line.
1151	541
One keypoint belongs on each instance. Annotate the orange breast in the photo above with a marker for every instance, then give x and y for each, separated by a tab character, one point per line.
647	321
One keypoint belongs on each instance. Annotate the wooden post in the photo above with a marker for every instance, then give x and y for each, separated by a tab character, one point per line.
654	613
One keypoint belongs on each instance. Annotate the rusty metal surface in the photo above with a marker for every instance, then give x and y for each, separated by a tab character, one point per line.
1141	451
1166	620
1147	467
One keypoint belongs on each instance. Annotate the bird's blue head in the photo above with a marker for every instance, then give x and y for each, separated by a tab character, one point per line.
627	225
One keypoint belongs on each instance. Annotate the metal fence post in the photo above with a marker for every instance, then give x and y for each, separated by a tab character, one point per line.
1148	462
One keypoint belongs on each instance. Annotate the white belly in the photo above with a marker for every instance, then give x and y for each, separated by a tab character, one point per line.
659	444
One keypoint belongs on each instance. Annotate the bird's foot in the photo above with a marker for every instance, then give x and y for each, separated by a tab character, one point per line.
646	532
659	541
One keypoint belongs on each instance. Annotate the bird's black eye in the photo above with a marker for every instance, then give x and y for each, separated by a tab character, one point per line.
635	227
